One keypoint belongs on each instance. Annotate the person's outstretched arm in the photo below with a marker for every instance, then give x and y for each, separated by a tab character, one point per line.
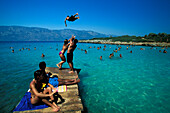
53	88
70	40
50	85
41	95
65	23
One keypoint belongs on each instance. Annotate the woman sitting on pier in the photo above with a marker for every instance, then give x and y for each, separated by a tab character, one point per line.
41	95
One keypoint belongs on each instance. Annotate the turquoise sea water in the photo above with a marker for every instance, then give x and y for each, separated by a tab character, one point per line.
139	82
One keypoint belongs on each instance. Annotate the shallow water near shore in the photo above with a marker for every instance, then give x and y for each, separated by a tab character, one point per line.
137	82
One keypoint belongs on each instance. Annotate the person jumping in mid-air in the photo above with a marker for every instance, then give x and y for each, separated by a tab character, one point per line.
71	18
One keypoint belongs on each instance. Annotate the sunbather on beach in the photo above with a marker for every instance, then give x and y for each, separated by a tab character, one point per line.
71	18
61	53
70	51
41	95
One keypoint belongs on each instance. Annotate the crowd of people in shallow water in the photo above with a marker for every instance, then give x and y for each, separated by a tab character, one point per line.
162	50
118	48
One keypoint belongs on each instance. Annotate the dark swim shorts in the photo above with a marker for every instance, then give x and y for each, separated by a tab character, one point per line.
72	18
69	57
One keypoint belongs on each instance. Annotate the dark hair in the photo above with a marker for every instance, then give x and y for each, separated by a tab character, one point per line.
75	40
65	41
42	65
67	15
37	74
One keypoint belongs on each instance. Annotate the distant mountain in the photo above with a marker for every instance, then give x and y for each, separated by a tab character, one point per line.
20	33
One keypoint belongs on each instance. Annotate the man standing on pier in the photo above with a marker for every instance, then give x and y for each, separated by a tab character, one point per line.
70	51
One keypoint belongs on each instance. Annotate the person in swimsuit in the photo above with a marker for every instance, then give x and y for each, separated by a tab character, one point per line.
59	81
70	51
71	18
61	53
41	95
42	55
164	51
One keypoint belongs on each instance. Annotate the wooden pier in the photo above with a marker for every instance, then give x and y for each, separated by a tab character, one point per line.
72	102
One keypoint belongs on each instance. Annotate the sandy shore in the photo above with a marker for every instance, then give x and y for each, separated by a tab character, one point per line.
163	44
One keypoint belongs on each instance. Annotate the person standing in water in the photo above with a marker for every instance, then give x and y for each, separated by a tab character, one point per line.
61	53
71	18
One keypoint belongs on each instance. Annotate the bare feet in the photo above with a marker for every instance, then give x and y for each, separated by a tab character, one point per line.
56	105
75	73
76	77
58	65
77	80
56	109
71	72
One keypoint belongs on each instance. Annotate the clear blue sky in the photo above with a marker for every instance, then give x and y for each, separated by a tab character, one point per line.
117	17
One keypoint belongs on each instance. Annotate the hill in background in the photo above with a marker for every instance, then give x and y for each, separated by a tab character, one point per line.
20	33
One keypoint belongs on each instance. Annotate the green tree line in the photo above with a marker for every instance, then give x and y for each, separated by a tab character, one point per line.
151	37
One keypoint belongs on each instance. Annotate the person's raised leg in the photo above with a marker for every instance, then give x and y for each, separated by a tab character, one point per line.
77	17
49	90
69	82
59	65
63	60
76	14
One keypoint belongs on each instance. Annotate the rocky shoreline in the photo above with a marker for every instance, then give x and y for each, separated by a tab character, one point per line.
159	44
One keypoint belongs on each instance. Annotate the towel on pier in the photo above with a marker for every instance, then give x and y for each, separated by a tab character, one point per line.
62	88
54	81
25	104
